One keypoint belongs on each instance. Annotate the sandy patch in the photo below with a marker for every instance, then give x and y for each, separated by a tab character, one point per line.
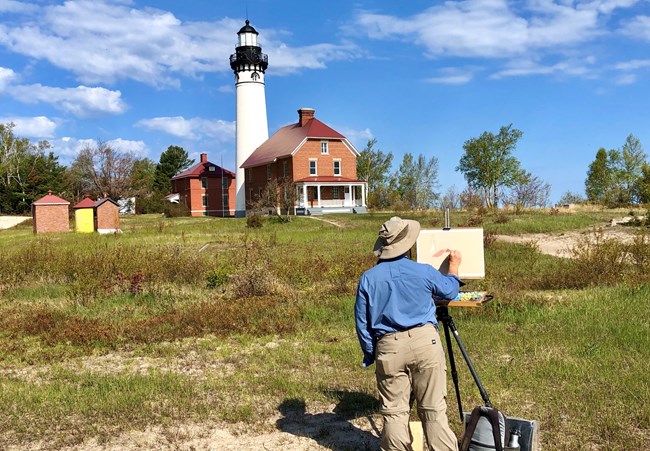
560	244
6	222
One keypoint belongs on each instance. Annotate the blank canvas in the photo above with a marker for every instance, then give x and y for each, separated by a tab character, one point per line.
432	246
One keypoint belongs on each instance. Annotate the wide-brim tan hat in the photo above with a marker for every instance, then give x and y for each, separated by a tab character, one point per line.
396	237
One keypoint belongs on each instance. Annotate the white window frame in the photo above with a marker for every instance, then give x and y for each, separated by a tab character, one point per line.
315	161
324	148
335	192
340	171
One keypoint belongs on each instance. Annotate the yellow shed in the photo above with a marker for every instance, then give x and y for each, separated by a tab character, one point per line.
84	215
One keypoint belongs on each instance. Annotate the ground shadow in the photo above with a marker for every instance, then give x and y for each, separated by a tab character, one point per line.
333	430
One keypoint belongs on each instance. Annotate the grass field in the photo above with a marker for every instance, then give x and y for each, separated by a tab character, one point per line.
204	319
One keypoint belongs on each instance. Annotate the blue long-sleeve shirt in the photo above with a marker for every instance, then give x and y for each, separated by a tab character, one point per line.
396	295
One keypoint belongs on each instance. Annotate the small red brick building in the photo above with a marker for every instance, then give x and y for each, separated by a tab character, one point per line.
321	163
206	189
107	216
50	214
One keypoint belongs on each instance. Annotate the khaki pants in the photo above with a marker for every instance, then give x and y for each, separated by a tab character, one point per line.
413	360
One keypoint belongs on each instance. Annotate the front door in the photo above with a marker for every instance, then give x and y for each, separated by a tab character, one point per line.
348	197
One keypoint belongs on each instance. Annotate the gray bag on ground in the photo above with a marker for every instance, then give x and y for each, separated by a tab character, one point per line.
485	431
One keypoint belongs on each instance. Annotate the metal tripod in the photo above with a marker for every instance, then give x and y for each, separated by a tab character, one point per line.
442	313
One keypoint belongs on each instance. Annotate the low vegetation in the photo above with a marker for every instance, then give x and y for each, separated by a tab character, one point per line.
206	319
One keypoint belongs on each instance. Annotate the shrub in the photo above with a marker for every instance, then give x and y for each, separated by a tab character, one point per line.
176	210
502	217
489	239
217	278
474	220
254	221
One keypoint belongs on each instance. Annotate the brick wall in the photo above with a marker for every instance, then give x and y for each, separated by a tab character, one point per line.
108	216
50	218
325	163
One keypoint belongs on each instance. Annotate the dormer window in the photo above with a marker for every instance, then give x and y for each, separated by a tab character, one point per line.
211	168
324	148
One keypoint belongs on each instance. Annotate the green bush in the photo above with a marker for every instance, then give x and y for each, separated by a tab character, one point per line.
176	210
254	221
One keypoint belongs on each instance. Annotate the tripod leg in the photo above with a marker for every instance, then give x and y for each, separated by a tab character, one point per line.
450	323
444	317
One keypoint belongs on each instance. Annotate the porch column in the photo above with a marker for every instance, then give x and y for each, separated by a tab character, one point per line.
363	194
318	187
353	195
304	195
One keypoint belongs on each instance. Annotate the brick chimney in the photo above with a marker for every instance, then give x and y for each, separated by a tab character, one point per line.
204	158
304	115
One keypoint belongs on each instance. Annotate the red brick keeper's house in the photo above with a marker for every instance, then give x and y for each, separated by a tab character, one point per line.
321	163
206	189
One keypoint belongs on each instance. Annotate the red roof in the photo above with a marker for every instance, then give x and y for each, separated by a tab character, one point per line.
87	202
288	139
202	169
327	179
51	199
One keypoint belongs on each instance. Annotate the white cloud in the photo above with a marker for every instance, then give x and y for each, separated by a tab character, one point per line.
626	79
138	148
39	127
639	28
453	76
6	77
358	138
194	128
13	6
81	101
104	41
494	28
633	65
576	67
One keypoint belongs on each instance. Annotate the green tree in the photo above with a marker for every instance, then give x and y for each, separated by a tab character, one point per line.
644	185
631	169
488	164
599	178
416	181
373	166
172	161
27	171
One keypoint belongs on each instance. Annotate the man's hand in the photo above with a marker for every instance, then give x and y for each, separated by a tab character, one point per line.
454	261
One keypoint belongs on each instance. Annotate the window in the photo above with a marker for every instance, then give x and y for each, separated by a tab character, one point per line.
225	201
250	194
324	148
187	183
335	192
285	168
249	174
224	183
313	170
204	200
212	168
268	172
204	182
337	167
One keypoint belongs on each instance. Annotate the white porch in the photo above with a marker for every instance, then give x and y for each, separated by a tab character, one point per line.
330	197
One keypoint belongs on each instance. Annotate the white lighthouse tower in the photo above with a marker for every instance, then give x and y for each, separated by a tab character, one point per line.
249	63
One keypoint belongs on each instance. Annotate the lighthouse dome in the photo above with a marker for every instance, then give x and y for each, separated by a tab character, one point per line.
247	28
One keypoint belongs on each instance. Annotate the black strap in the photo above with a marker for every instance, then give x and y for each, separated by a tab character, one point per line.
493	416
471	427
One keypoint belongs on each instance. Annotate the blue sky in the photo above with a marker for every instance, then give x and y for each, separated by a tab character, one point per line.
419	76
